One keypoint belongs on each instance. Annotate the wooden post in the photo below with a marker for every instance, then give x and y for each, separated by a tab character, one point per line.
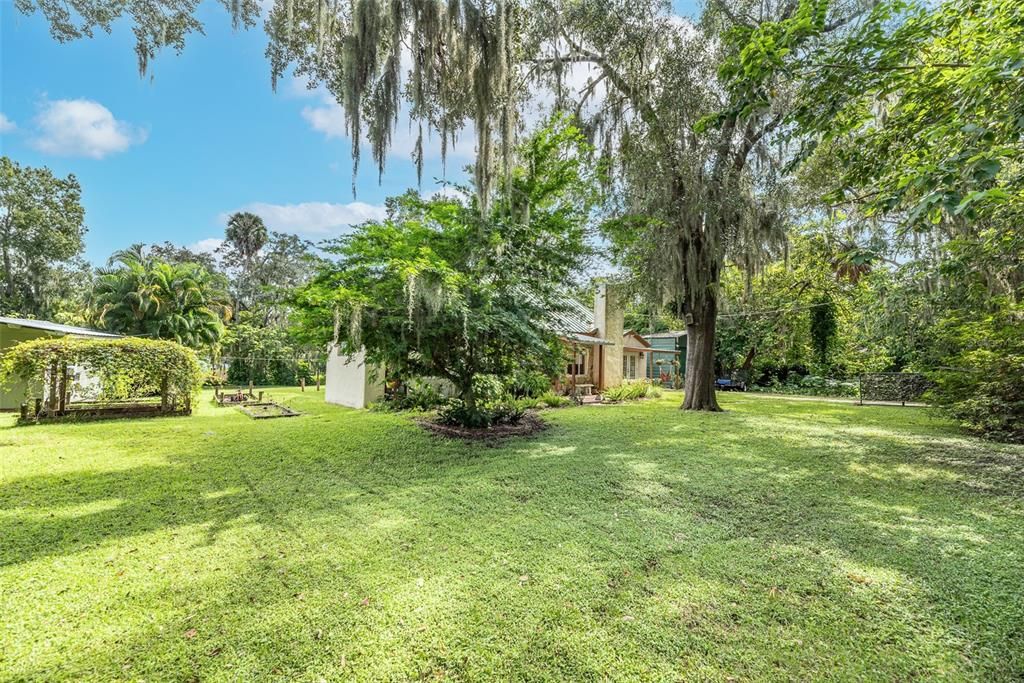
251	395
163	394
318	381
261	397
52	407
302	383
62	403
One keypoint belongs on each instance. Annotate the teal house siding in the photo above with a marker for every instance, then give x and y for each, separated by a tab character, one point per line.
667	346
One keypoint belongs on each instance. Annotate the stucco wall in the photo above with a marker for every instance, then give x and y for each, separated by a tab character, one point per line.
351	382
609	316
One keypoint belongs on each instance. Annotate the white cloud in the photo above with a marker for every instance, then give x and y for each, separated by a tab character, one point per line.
82	128
6	125
206	246
443	192
312	219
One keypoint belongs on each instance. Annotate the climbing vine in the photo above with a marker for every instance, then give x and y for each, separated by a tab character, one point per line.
125	368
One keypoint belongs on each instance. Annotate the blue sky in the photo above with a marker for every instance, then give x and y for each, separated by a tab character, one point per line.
165	158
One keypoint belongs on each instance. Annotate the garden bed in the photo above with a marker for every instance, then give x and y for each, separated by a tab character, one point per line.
529	424
112	411
263	411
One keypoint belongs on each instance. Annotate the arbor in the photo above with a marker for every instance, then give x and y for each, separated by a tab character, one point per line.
140	295
447	288
41	231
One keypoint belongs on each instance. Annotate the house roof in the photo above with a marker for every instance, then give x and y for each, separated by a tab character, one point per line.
643	343
574	322
671	334
55	328
585	338
574	318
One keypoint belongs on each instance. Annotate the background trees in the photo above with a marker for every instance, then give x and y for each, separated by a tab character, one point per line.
41	232
852	168
138	294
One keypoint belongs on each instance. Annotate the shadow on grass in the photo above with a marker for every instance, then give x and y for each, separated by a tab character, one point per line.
628	541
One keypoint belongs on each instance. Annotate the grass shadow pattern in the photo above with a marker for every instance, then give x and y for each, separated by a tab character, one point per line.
777	540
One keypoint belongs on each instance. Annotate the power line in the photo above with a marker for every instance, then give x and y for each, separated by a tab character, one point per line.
777	310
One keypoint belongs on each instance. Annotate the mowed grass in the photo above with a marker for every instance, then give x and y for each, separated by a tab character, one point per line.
778	540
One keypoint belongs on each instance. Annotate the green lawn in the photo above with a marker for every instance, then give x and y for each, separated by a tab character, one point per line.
778	540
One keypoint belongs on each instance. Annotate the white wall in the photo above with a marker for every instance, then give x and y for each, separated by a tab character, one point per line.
351	382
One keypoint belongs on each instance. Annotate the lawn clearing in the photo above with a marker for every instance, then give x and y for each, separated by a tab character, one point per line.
778	540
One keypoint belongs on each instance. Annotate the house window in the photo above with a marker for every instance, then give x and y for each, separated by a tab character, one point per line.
577	364
632	366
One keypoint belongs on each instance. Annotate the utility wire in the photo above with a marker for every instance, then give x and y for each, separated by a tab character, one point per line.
777	310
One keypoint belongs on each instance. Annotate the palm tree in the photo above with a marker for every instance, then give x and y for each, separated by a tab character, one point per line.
137	294
245	236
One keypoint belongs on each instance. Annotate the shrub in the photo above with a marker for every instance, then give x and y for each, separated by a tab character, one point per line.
215	378
456	412
530	383
488	388
419	395
985	392
528	403
631	391
553	400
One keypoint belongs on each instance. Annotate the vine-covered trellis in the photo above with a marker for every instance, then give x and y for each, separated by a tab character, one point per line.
127	377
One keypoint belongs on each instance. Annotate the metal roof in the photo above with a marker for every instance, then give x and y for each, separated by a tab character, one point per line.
671	334
585	338
55	328
572	316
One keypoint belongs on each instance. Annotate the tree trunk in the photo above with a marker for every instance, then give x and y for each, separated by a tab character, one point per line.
699	384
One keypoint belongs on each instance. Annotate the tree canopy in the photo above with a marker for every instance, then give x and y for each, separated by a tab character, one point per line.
449	289
41	231
138	294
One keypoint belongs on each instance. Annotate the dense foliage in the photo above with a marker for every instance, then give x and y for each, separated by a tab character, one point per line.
125	368
41	232
138	294
266	355
446	288
813	189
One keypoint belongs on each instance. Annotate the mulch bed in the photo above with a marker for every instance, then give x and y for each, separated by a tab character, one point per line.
529	424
